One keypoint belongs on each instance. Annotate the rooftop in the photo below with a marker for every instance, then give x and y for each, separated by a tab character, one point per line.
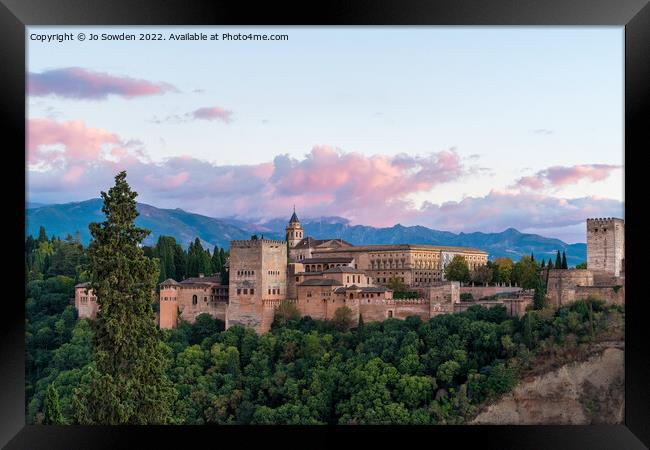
320	282
394	247
331	259
343	269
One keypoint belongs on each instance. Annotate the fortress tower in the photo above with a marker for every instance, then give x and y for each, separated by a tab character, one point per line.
606	245
257	277
294	231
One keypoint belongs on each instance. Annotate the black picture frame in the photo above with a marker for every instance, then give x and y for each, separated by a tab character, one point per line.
634	15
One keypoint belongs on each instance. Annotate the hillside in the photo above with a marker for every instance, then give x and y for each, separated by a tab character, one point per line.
578	393
67	218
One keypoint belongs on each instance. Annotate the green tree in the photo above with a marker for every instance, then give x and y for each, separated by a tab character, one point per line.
526	273
51	407
164	251
540	294
395	284
457	270
481	275
564	264
216	261
285	313
342	319
126	384
42	235
503	270
558	261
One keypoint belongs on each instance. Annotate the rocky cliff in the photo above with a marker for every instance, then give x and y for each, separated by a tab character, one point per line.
580	393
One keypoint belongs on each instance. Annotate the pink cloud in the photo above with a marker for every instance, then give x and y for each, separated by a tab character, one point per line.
521	210
212	113
79	83
78	142
366	189
558	176
169	181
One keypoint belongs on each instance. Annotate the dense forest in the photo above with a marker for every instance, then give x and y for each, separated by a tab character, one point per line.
304	371
121	369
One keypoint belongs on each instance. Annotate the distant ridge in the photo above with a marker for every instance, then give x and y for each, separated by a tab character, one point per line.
68	218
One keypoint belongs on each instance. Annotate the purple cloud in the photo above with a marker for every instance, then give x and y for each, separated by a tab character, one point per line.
558	176
212	113
78	83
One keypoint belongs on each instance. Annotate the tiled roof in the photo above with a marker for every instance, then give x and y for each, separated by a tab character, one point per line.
343	269
320	282
333	259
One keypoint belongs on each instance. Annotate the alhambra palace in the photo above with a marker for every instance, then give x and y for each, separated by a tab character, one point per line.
320	276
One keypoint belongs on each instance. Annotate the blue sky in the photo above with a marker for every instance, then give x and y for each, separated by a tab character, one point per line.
476	110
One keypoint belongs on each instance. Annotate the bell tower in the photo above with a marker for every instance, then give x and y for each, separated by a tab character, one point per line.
294	231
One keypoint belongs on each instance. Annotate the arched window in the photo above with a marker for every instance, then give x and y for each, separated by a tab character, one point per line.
194	300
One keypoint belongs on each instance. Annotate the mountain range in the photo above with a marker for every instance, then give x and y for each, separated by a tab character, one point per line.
70	218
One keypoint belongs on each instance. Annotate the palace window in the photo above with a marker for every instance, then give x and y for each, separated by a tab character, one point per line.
238	291
252	291
245	291
194	300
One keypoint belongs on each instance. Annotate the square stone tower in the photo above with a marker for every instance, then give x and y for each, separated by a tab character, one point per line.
257	276
606	245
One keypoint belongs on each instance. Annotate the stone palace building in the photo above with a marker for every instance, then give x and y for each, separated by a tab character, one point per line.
321	275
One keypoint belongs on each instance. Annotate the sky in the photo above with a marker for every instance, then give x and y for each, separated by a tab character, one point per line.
455	128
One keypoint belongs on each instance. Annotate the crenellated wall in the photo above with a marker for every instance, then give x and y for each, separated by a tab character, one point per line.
606	245
257	273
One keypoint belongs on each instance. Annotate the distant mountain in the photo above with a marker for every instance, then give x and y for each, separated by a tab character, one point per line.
69	218
510	243
30	205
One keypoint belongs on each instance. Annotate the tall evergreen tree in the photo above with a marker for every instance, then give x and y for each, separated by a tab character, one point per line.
216	261
42	235
180	262
539	294
564	264
51	408
558	260
543	263
127	383
550	263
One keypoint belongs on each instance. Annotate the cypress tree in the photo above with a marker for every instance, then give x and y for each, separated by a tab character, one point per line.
550	263
51	407
539	294
126	383
564	264
216	261
543	263
180	262
558	260
42	235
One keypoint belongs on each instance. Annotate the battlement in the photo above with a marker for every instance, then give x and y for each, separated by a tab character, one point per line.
602	222
255	243
274	303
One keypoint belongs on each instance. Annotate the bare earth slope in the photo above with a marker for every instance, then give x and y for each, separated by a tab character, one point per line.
578	393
